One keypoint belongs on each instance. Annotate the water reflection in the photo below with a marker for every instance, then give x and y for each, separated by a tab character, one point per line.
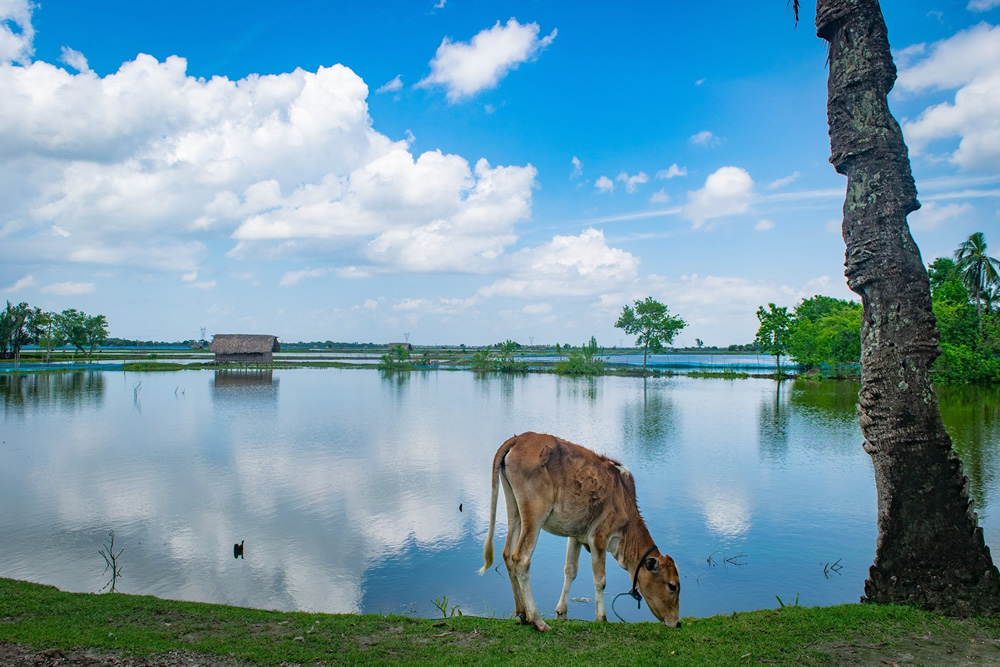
649	421
245	388
343	509
69	390
772	420
972	417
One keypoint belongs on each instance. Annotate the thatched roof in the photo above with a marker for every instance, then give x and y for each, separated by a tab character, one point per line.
244	344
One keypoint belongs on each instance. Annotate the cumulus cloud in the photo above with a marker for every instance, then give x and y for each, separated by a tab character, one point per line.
727	191
704	138
143	166
671	172
604	185
466	68
660	197
633	182
16	32
969	61
577	168
951	62
764	225
566	266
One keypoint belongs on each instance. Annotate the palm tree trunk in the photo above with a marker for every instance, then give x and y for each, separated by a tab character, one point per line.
930	550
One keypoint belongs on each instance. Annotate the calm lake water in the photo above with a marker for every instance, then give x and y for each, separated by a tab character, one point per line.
346	485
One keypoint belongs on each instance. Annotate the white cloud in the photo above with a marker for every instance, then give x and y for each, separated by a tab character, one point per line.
604	185
567	266
466	68
295	277
68	288
391	86
671	172
129	168
660	197
930	216
537	309
204	284
577	168
982	5
75	59
969	61
20	284
952	62
764	225
727	191
16	45
782	182
704	138
632	183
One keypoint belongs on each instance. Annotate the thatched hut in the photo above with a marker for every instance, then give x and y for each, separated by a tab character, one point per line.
244	348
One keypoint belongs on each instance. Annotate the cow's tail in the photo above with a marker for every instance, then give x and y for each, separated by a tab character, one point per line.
494	492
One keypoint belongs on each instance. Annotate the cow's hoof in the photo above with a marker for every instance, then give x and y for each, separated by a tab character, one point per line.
542	626
561	614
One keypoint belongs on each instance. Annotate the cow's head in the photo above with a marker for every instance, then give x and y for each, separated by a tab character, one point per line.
660	584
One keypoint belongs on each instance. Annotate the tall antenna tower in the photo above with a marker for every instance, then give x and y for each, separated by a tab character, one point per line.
406	335
203	333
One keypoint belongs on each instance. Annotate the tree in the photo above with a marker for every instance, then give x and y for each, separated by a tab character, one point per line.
930	551
825	332
772	336
939	271
653	325
979	271
14	331
72	327
95	331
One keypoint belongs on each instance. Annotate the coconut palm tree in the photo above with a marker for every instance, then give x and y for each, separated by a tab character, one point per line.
930	550
979	271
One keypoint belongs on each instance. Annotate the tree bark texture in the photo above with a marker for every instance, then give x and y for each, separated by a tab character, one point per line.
930	549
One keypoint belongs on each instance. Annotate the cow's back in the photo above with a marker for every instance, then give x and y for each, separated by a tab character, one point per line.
584	490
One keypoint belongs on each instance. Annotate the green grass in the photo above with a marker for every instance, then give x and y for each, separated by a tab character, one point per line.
44	618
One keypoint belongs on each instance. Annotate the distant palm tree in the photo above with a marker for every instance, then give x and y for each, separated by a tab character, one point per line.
979	271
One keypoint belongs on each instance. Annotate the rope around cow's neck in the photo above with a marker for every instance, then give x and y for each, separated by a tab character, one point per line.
634	593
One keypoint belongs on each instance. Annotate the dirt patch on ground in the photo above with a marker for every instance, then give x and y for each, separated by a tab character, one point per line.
18	655
927	650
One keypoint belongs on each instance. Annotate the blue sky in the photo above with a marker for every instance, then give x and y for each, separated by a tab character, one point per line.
454	171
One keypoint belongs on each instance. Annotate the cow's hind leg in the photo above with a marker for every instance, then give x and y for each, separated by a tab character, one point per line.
572	561
597	561
513	534
531	524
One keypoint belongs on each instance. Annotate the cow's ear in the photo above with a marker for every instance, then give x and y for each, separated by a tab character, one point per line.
652	564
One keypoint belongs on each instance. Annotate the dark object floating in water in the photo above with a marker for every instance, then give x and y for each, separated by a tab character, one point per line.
460	507
238	550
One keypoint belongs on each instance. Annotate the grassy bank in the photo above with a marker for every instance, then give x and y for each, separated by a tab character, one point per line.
37	620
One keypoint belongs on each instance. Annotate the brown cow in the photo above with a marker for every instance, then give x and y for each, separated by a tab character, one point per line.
571	491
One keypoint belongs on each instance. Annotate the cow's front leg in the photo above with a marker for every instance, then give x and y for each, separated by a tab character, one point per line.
572	561
597	561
